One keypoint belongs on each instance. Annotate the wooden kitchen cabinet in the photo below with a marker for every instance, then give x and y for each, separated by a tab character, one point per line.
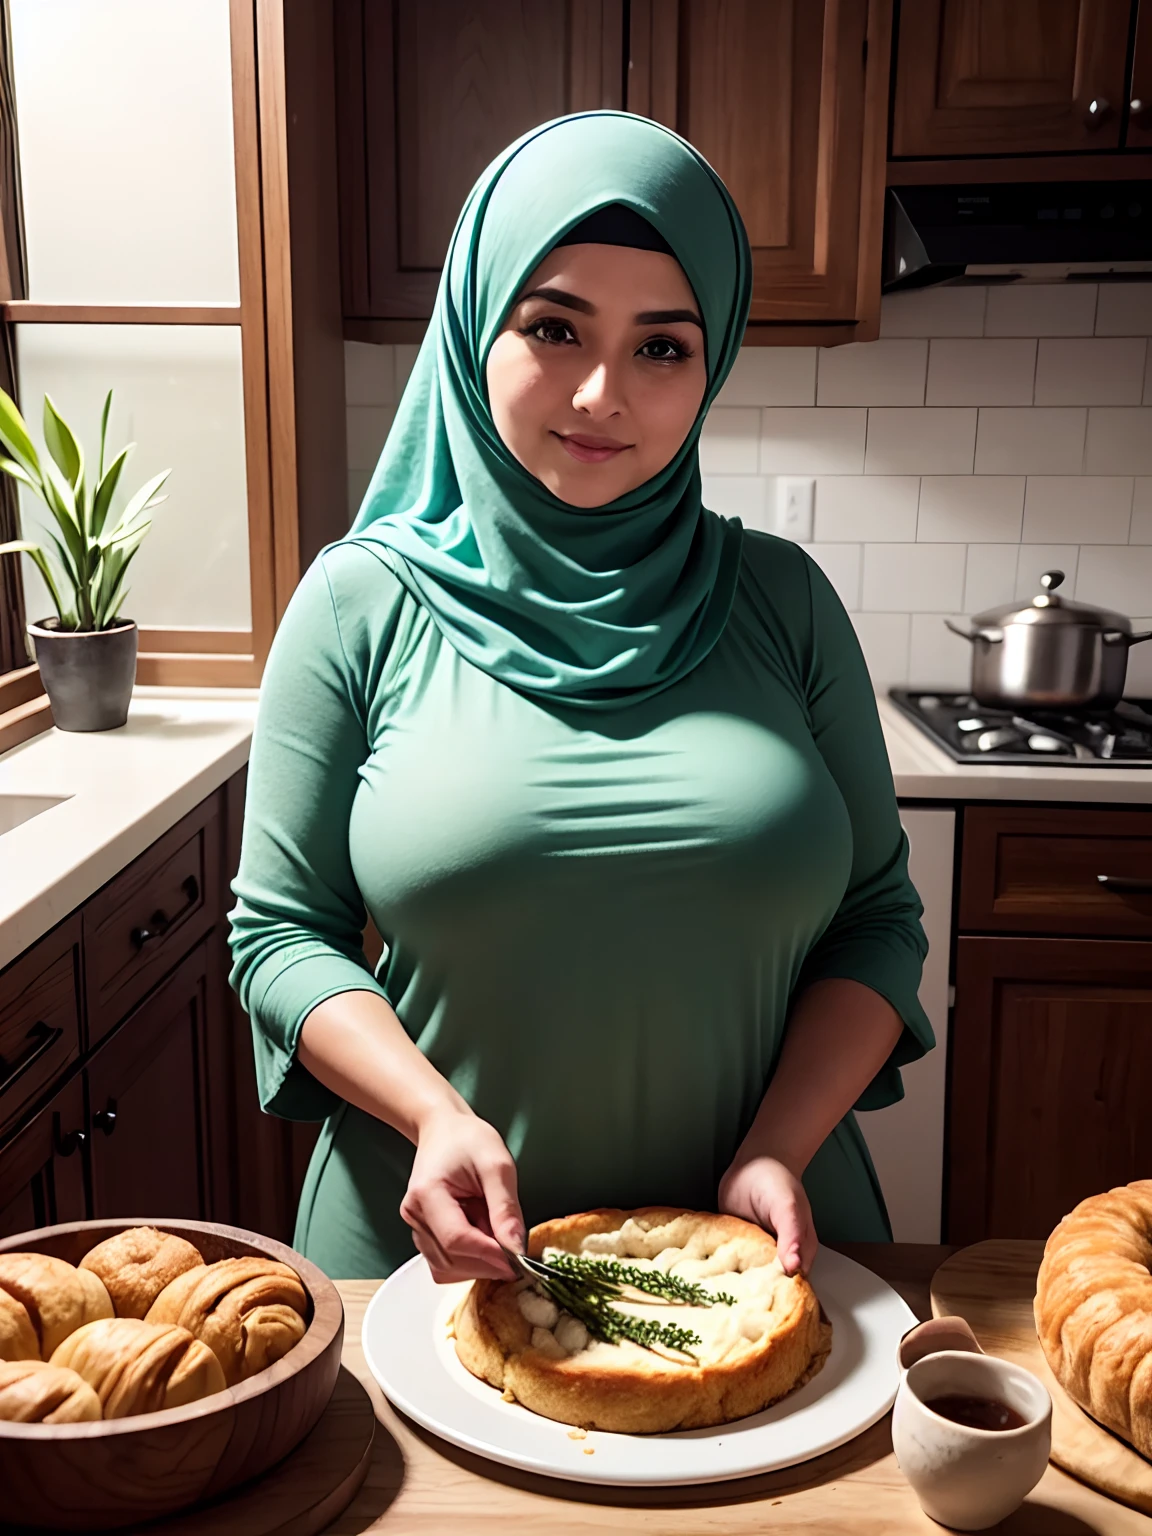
427	94
1006	77
146	1104
1139	131
42	1166
788	99
1051	1080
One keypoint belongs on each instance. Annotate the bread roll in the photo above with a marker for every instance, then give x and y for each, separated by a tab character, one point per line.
57	1297
249	1312
18	1339
1093	1309
34	1392
136	1265
139	1367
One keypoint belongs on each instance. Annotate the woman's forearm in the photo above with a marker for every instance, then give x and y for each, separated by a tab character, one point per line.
354	1044
840	1034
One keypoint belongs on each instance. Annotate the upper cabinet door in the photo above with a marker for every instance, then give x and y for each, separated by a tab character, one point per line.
430	91
979	77
788	100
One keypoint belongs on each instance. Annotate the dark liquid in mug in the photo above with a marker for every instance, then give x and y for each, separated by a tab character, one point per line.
976	1412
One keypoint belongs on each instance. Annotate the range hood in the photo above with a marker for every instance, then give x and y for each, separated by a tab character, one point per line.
1029	231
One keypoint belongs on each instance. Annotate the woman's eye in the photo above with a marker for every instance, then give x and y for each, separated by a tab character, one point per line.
555	332
662	349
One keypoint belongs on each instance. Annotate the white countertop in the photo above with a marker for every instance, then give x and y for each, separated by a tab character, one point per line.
123	789
922	772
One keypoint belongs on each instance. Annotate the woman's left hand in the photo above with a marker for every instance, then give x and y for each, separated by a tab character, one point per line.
765	1191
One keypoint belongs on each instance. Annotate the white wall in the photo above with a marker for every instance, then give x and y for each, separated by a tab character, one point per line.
991	433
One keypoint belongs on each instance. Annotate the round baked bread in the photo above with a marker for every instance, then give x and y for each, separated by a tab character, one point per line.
138	1367
56	1298
1093	1309
137	1264
34	1392
249	1312
751	1353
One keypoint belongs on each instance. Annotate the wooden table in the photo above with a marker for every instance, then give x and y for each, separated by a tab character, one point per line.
418	1485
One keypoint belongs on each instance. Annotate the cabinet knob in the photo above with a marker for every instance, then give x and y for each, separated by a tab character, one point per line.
70	1142
105	1119
1137	107
1097	111
161	922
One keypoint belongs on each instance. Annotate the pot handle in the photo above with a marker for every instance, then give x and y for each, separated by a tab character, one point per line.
1136	639
993	636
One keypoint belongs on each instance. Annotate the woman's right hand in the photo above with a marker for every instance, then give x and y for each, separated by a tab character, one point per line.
462	1202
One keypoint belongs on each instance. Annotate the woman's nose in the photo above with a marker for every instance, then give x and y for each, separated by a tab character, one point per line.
598	395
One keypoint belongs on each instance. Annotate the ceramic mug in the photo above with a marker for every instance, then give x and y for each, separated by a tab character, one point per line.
964	1477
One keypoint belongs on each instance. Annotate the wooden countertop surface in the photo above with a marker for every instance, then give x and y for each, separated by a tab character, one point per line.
418	1485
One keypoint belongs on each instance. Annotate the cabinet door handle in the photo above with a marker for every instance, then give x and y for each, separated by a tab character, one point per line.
105	1119
1126	885
40	1038
70	1142
160	921
1098	110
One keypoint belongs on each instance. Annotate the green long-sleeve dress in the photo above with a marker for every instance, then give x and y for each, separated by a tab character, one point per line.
594	921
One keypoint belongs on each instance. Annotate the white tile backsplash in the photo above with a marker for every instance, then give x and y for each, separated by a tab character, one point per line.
933	312
730	441
912	578
841	563
813	442
920	442
1140	531
1041	309
981	371
747	497
1115	578
1090	370
1119	440
1032	440
991	434
990	576
771	376
871	508
985	508
1066	508
872	373
938	658
1124	309
1138	681
884	640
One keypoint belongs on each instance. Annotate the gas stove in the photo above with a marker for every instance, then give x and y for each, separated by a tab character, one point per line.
1090	738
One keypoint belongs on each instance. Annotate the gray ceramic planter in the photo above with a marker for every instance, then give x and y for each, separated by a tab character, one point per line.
88	674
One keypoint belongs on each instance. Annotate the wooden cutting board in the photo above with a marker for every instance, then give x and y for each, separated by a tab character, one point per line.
992	1285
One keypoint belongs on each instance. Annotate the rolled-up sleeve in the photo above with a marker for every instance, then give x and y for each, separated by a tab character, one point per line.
875	936
296	929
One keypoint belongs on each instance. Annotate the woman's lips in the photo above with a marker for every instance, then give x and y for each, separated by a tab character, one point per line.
591	450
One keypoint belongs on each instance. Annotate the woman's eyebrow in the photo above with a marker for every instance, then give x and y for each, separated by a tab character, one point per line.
669	317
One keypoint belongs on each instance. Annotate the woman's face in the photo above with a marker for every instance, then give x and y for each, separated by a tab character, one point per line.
597	376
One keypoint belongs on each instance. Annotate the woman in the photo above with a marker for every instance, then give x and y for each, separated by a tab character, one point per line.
604	768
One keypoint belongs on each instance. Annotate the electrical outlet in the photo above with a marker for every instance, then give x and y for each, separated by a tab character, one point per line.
795	499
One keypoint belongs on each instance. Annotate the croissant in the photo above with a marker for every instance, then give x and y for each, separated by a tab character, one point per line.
139	1367
1093	1309
34	1392
249	1312
56	1297
136	1265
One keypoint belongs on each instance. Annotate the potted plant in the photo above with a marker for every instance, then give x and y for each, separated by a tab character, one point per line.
86	652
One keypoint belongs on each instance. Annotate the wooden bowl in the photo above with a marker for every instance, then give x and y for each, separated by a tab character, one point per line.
94	1477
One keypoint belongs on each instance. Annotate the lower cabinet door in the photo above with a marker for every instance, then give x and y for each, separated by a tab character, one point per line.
1051	1080
145	1102
42	1166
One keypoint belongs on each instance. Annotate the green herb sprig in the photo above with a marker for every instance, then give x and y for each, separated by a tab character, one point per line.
655	1282
585	1288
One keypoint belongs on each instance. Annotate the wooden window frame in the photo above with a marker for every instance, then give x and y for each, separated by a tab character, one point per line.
189	657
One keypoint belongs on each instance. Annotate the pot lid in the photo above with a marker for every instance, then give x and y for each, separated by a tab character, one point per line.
1049	607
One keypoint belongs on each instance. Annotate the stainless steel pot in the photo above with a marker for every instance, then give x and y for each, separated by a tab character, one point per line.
1051	652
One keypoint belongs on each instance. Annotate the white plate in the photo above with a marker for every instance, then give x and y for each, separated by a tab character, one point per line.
406	1345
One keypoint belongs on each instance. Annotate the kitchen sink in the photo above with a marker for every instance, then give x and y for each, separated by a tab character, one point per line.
15	810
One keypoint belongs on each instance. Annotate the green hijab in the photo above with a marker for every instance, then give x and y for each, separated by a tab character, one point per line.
598	606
